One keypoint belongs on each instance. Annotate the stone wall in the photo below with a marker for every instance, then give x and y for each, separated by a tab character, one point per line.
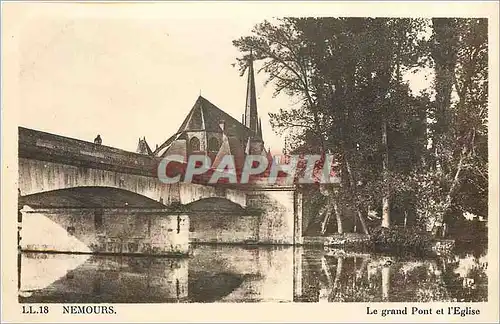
104	231
277	221
236	196
190	192
216	227
272	216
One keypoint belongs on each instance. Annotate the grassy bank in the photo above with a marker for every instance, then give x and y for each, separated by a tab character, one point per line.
402	241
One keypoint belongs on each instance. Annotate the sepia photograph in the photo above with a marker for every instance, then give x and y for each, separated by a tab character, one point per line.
251	158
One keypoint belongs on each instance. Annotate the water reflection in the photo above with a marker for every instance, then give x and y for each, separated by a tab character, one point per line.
339	277
113	279
251	274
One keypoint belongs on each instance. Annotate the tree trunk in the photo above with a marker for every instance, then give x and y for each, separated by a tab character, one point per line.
449	197
456	181
363	223
340	230
386	283
331	203
353	190
326	220
362	268
386	217
444	54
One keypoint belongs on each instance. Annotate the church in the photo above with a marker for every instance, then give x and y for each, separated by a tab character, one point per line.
208	130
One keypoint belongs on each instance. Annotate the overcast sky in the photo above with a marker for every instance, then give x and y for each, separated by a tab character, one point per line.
127	71
125	75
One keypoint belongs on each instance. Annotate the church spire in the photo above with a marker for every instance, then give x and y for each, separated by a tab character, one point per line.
251	118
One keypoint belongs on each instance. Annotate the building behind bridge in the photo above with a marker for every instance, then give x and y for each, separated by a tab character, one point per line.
208	130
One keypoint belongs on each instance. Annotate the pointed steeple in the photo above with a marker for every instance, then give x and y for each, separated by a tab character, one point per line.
251	118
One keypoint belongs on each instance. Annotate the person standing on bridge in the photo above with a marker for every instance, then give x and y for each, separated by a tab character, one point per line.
98	140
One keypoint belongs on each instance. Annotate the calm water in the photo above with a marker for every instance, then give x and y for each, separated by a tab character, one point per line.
242	274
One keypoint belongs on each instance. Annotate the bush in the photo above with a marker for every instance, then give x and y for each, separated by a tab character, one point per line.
401	240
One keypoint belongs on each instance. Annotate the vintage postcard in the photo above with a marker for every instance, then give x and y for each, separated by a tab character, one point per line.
250	162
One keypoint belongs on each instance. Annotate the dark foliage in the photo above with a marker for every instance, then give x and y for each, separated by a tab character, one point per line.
401	240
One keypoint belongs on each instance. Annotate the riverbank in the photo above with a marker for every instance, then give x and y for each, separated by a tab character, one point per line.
396	240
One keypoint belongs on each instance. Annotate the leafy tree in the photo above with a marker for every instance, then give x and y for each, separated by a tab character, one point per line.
347	76
459	132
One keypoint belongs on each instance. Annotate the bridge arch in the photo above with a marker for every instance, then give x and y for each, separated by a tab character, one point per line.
37	176
214	205
89	197
100	220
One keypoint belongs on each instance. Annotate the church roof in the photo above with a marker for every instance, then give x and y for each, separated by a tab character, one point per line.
205	116
230	146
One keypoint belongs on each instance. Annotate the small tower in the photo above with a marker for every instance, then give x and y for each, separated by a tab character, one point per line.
143	147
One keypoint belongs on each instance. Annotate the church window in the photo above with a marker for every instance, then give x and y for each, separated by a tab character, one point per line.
194	144
213	144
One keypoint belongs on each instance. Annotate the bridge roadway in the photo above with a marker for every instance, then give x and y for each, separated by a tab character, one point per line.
50	163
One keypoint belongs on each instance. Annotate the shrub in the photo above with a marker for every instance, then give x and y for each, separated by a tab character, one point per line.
401	240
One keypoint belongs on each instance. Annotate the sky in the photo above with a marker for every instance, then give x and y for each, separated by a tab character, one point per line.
125	75
133	71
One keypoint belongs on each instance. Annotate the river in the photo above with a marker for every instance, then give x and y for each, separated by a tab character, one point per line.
230	273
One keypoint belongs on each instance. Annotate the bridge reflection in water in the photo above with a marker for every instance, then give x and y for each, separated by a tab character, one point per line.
232	273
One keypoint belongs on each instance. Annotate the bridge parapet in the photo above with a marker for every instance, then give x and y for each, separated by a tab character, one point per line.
55	148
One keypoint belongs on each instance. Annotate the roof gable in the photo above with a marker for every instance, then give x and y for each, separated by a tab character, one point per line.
206	116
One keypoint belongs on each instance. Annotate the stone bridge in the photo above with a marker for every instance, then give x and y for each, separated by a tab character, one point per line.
51	162
55	166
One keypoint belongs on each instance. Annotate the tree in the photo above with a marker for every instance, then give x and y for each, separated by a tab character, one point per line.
347	75
343	71
460	56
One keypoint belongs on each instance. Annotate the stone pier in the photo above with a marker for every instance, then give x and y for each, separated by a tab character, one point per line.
101	230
